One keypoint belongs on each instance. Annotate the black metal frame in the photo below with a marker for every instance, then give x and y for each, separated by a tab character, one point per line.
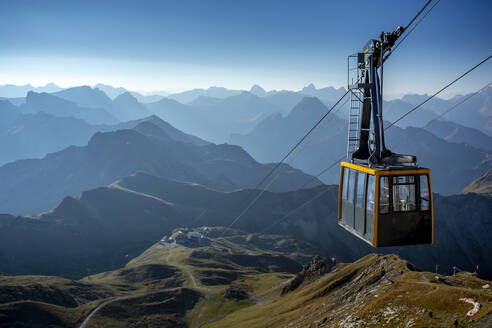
370	64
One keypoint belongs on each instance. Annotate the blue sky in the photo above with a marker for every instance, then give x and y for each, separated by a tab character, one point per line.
176	45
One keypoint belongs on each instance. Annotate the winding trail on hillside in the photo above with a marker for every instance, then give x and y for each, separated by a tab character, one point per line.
117	299
122	298
186	269
171	246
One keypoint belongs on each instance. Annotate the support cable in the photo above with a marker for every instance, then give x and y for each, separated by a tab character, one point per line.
413	28
457	104
438	92
339	160
283	159
421	10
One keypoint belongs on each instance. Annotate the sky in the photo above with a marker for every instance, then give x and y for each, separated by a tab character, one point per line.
284	44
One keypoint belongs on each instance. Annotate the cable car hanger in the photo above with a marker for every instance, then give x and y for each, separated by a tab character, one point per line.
367	89
384	198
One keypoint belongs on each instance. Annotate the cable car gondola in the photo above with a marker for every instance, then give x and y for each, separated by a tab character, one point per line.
384	198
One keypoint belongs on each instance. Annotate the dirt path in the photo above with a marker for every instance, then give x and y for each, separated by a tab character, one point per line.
171	246
117	299
187	270
121	298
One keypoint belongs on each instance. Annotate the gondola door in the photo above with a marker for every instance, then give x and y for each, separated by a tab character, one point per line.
359	197
348	188
353	202
370	204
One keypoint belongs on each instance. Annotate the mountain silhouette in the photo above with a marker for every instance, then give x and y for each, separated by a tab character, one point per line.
216	120
272	138
36	185
457	133
124	107
187	97
129	108
16	91
44	102
109	90
36	134
146	99
86	96
170	130
204	101
475	112
258	91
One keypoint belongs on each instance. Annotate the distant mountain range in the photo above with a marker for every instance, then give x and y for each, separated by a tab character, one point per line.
474	113
267	128
271	139
124	107
457	133
35	185
187	97
214	120
113	92
34	135
46	123
17	91
50	104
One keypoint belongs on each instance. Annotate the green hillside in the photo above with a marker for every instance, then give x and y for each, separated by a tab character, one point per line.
211	277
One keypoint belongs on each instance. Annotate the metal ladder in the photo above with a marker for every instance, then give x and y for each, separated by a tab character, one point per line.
354	121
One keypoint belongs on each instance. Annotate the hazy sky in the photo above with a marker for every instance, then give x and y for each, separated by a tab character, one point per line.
175	45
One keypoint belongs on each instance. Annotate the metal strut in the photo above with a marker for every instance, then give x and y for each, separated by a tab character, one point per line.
366	145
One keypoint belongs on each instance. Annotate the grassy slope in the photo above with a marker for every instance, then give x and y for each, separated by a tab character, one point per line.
358	295
376	291
233	261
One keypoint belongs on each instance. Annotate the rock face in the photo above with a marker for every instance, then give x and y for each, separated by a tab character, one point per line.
375	291
482	185
235	294
310	272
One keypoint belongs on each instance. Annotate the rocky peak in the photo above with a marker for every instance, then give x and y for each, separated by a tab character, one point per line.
257	90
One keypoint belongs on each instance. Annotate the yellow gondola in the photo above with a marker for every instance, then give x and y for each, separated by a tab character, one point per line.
386	207
384	198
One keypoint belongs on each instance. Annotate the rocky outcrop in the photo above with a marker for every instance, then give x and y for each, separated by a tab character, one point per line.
310	272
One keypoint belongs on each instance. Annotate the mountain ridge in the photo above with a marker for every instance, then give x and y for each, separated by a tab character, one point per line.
109	156
273	136
133	210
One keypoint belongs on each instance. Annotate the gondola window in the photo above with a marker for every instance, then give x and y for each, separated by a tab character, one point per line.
424	193
404	193
384	195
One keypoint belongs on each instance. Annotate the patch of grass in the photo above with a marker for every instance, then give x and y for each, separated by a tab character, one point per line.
213	308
